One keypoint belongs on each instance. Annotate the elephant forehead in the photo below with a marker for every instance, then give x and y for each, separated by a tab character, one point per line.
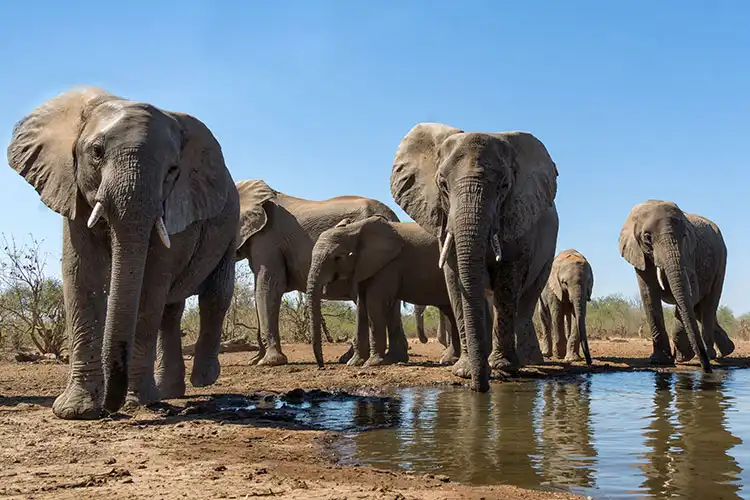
571	256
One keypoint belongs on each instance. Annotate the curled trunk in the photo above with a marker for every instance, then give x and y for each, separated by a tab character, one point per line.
471	235
314	296
680	287
579	309
129	252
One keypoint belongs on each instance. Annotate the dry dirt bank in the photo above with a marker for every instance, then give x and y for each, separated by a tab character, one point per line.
169	453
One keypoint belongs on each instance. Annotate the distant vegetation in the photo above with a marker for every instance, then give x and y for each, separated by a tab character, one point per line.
32	313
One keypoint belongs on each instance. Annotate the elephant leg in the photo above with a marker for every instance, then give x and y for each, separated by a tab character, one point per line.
504	355
683	351
452	351
213	303
398	347
442	333
723	342
527	343
85	270
170	367
573	336
708	328
142	388
361	348
379	314
270	287
462	367
557	315
545	318
649	290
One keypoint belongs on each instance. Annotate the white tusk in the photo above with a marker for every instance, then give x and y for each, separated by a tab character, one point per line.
496	247
162	230
96	214
660	277
444	251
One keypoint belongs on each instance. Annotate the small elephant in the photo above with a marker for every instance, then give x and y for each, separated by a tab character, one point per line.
562	307
387	262
679	258
276	234
483	196
150	218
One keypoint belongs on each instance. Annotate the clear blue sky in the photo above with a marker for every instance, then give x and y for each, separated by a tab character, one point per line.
634	100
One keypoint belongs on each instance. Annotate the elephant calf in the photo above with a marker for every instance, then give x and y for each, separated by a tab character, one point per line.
680	259
562	301
387	262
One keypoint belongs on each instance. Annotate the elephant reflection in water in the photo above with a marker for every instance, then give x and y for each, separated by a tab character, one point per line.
688	440
568	455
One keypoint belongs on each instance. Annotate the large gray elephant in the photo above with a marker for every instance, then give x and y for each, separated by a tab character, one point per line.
386	262
483	196
562	307
150	218
679	258
276	234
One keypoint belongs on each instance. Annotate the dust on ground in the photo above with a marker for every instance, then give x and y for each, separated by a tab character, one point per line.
170	451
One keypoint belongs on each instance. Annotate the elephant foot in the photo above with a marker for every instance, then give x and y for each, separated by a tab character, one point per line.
571	358
144	396
711	352
171	389
344	358
683	357
205	373
726	349
273	358
449	357
356	360
659	358
255	358
376	360
399	356
77	403
462	367
499	361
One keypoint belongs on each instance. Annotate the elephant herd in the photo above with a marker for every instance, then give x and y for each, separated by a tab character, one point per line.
152	216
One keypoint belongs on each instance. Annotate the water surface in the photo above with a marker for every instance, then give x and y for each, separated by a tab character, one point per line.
613	435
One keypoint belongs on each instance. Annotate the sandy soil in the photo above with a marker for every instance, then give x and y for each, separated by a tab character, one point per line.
174	451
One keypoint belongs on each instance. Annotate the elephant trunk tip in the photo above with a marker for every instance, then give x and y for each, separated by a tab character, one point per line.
116	377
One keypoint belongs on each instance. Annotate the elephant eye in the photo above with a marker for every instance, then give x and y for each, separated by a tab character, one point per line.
97	150
647	238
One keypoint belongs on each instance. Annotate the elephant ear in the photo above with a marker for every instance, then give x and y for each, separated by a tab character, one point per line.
253	217
534	186
42	146
413	183
378	244
202	188
554	281
590	275
629	247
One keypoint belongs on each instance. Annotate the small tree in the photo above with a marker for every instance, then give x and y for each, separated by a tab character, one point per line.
31	305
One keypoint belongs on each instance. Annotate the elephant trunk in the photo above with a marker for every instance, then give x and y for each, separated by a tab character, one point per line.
471	229
314	295
579	310
677	279
129	251
133	212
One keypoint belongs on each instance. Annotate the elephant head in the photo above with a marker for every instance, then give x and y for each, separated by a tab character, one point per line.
471	190
143	171
349	251
253	217
659	242
572	280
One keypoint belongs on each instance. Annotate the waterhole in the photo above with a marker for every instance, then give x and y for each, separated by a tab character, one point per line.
608	435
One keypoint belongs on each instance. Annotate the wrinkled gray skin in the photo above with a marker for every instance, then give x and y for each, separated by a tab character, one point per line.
387	262
442	331
121	283
562	307
680	259
276	234
480	187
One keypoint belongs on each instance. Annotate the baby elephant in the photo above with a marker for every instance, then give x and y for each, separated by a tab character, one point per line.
562	301
384	262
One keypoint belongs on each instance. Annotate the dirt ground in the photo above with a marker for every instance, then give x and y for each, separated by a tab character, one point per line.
173	452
